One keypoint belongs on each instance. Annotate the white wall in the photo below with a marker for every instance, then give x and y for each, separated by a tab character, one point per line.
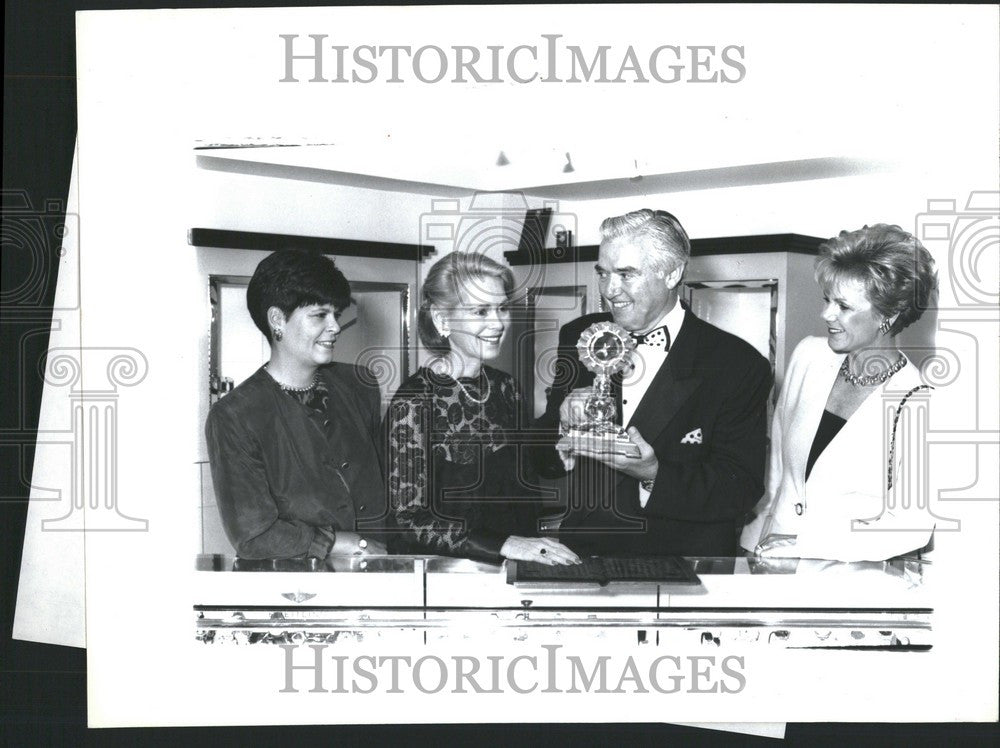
821	207
242	202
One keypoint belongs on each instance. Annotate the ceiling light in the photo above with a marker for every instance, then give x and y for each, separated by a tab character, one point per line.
502	159
568	168
636	176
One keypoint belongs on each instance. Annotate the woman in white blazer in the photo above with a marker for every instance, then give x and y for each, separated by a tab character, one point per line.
829	488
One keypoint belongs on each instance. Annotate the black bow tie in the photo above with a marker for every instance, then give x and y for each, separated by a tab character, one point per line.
656	338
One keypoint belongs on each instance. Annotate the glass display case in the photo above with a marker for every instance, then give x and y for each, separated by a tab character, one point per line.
738	602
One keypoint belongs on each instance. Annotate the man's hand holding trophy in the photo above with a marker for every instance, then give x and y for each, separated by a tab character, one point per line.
589	415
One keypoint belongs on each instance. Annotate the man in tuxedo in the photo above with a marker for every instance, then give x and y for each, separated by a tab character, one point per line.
695	404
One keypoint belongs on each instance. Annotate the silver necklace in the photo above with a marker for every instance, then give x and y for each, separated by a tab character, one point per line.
867	381
471	398
287	388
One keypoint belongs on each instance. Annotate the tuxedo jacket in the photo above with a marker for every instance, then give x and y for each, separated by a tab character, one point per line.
705	415
848	481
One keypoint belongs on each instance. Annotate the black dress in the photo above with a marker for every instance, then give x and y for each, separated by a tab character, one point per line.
458	480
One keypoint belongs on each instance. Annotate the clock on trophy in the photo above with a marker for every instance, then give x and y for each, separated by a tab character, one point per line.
604	348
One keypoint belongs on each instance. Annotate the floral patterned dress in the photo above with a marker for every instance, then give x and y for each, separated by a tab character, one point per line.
459	481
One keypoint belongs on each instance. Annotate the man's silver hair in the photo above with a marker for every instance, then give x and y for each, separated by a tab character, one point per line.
661	235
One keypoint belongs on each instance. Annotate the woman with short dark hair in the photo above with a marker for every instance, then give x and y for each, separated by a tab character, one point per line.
294	450
833	457
457	480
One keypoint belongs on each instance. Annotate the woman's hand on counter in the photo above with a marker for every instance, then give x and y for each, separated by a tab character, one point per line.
540	550
353	544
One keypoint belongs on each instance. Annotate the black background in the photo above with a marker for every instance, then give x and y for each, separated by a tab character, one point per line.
43	687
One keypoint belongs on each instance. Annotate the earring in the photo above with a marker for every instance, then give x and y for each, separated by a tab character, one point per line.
278	333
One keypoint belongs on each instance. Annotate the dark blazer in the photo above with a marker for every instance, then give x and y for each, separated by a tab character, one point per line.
281	470
712	381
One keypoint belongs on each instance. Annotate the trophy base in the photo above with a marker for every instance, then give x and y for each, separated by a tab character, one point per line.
606	444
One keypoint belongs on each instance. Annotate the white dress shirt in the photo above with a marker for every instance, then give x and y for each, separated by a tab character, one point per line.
648	361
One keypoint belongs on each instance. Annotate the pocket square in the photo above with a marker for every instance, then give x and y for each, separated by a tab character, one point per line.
693	437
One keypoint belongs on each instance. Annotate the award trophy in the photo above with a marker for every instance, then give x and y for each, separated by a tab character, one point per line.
604	348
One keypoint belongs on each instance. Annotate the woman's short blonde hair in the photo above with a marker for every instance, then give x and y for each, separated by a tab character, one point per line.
896	270
443	286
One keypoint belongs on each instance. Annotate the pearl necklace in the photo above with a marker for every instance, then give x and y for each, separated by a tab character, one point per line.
287	388
867	381
486	397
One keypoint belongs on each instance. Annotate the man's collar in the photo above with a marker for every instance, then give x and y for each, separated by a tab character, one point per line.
672	319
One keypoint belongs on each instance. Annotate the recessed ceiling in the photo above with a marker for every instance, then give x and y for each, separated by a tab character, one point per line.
462	170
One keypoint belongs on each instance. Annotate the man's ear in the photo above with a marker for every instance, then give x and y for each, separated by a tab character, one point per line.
674	276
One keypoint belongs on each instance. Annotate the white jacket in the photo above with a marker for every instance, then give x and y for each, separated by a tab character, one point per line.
846	512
